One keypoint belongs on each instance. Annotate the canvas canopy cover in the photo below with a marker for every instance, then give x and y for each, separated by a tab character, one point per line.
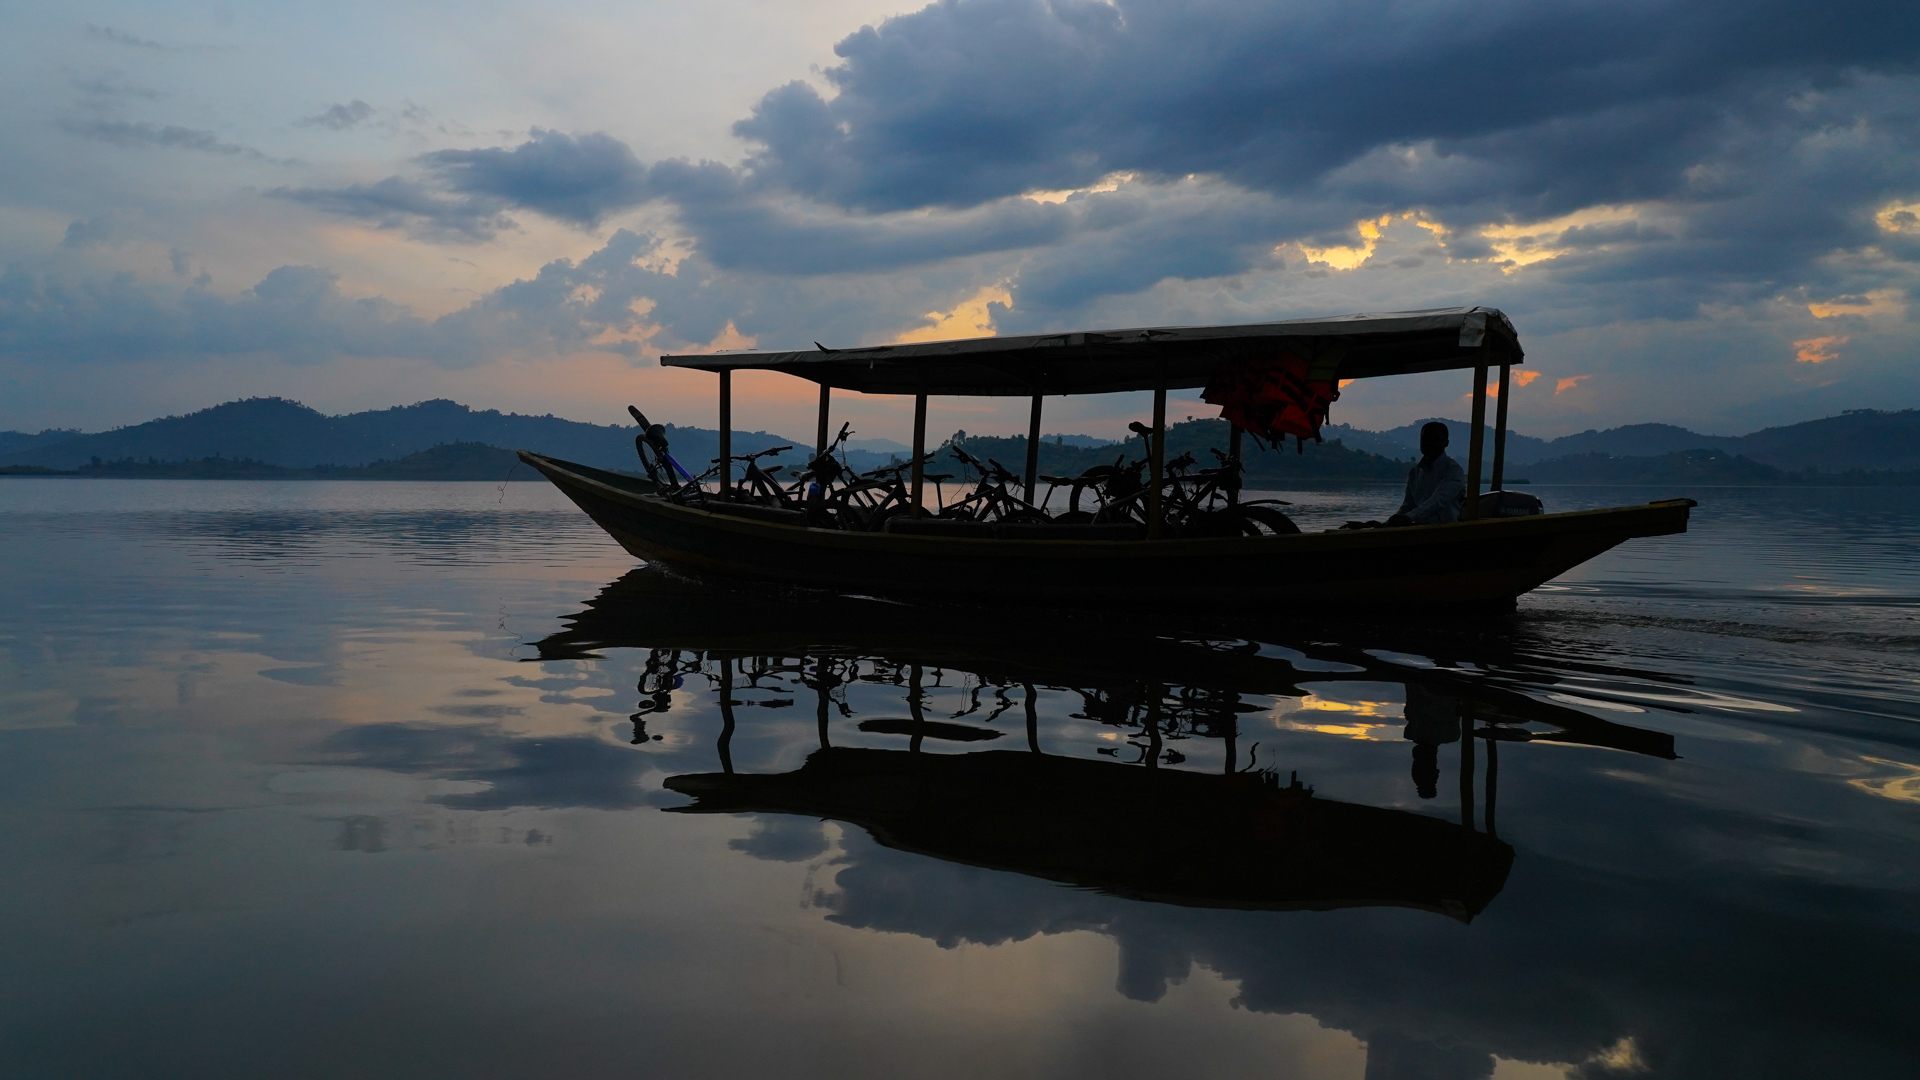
1148	358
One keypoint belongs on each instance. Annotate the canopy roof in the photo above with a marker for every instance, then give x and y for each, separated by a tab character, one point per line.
1107	361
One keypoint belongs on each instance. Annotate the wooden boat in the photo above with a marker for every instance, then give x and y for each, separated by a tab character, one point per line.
1096	655
1148	829
1164	835
1477	561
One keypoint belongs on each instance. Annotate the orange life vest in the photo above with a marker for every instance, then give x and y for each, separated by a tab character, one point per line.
1274	398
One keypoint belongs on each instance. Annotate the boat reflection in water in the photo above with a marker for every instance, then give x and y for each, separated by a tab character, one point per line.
1146	828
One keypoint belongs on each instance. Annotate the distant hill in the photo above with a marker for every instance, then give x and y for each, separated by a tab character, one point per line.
286	433
278	432
13	442
1867	439
1856	439
1709	467
1714	467
453	461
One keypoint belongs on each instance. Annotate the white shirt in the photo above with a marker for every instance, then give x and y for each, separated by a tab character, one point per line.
1435	491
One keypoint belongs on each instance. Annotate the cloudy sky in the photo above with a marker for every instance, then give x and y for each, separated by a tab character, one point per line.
1698	212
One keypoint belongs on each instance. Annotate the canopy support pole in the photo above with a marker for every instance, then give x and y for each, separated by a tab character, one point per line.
914	708
919	453
1500	432
726	707
821	704
1033	721
1493	784
1033	447
820	439
1466	771
1153	725
1472	510
1233	454
726	435
1156	459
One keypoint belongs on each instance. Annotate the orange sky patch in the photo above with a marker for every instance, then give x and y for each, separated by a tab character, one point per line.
1570	382
1819	350
1877	302
1520	378
969	319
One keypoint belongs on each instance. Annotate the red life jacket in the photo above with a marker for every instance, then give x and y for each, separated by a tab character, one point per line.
1274	398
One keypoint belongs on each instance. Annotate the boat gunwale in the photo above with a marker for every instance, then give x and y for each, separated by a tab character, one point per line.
1411	536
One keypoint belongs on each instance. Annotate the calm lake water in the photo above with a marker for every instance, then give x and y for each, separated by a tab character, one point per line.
428	780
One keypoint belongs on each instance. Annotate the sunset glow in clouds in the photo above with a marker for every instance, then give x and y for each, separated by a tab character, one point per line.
359	204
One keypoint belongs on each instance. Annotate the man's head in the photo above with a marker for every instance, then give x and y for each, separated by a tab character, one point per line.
1433	439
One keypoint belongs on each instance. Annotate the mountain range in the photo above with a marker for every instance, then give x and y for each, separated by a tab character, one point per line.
289	435
1866	439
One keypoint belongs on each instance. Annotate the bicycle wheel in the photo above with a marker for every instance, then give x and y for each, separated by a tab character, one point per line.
1275	522
970	508
1213	523
1128	510
863	507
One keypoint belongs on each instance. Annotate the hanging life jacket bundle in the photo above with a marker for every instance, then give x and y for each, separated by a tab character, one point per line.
1280	396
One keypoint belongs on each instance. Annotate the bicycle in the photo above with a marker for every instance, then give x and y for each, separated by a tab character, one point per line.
879	494
991	501
651	446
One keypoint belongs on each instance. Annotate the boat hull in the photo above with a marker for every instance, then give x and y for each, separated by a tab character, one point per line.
1162	835
1488	562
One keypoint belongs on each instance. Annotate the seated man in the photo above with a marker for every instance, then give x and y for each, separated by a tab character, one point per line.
1433	719
1436	486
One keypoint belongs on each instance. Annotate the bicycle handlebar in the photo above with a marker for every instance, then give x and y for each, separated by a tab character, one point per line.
897	468
758	454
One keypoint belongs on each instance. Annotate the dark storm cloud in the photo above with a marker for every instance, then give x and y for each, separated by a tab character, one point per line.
338	117
1722	158
634	288
1627	952
783	838
1769	134
551	771
970	100
121	37
1127	240
99	93
140	134
108	228
739	229
296	313
398	203
299	314
578	179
